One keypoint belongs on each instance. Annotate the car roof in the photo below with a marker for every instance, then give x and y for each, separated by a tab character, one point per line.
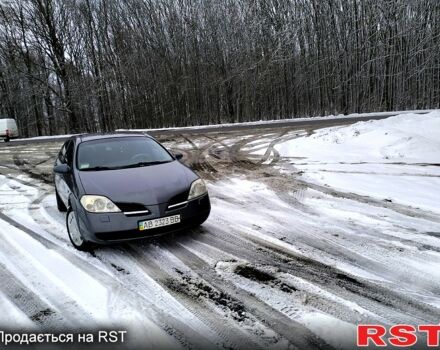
101	136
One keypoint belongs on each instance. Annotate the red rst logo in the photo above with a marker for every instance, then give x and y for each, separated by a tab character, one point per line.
401	335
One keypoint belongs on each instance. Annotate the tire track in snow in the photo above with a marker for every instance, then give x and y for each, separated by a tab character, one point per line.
398	208
296	333
390	305
231	337
384	302
29	303
132	298
127	265
39	280
312	230
212	254
196	155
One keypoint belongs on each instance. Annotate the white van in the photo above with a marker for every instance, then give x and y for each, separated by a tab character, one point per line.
8	129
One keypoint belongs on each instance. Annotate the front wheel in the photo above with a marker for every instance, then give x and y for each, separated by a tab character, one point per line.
75	234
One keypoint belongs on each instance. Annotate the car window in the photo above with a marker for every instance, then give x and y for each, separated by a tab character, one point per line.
120	152
62	153
69	153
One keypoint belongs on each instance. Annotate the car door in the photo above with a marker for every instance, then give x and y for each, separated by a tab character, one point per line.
63	182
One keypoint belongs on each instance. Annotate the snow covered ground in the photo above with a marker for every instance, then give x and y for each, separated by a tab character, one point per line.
302	244
395	159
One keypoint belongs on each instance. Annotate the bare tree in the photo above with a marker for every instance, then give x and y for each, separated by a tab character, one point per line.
95	65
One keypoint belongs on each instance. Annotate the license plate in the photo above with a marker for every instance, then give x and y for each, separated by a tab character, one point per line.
160	222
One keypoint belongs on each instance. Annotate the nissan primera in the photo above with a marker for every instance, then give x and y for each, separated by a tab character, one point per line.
118	187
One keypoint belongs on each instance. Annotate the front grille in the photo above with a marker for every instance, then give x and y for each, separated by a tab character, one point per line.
179	198
127	207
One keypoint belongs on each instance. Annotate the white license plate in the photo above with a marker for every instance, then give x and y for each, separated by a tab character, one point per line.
160	222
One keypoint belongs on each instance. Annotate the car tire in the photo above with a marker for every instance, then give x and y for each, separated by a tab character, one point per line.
60	204
75	235
7	139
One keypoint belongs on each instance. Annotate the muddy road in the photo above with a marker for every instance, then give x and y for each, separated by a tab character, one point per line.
267	270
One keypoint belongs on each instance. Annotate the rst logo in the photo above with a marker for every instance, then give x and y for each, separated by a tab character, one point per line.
401	335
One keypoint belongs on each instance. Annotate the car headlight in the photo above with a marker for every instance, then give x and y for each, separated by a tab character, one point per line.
198	188
98	204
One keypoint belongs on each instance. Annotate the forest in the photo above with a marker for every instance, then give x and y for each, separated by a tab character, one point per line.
70	66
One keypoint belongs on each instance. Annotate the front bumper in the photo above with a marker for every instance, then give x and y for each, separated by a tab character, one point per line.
118	227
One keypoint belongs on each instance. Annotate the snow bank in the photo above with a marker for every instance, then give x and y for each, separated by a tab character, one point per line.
394	159
408	138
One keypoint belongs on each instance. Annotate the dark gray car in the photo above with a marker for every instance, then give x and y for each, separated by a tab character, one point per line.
118	187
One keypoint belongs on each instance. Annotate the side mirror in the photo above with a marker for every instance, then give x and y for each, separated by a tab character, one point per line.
178	156
61	169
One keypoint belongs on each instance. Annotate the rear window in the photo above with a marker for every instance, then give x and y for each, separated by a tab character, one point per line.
117	153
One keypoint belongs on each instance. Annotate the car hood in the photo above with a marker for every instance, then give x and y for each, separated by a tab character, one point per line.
148	185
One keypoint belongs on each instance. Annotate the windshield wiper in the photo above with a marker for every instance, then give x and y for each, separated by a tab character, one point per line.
135	165
141	164
97	168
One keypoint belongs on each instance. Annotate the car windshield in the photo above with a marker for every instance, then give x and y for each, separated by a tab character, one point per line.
119	153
